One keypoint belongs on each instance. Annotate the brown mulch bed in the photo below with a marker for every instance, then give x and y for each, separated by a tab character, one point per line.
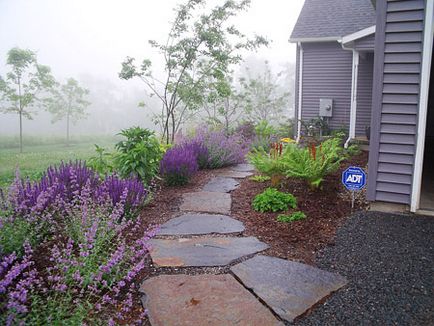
326	209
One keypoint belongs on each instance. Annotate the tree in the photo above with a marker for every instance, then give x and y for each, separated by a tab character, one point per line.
222	103
263	99
68	102
199	45
20	89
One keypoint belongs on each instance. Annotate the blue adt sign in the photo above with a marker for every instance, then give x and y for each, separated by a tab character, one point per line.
354	178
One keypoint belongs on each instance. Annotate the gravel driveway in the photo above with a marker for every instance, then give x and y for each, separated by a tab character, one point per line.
389	262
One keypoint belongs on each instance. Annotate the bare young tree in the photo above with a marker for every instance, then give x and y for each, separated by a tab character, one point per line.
200	44
20	90
68	101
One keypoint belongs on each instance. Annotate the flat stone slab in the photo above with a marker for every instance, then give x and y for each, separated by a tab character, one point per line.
234	174
244	167
200	252
213	300
206	202
221	184
192	224
287	287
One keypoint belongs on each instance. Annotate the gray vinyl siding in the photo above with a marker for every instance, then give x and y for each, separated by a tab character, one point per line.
327	74
398	55
365	44
364	93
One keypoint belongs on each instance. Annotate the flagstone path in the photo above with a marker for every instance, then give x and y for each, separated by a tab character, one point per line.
255	290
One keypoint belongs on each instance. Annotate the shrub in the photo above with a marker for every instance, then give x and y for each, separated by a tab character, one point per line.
246	129
65	181
272	200
139	155
311	163
296	216
223	150
113	187
265	163
200	152
88	266
28	213
179	164
259	178
102	162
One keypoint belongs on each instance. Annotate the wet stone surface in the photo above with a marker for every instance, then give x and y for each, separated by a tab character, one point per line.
243	167
212	300
221	184
234	174
206	202
289	288
200	252
195	224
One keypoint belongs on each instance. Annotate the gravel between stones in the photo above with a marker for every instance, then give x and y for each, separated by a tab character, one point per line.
388	261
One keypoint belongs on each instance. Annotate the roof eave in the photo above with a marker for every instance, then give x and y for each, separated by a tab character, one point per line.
314	39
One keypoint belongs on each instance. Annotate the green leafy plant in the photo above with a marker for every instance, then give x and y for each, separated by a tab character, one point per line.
296	216
266	163
259	178
313	163
310	163
139	154
272	200
102	162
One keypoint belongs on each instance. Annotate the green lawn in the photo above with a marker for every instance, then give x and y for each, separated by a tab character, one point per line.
35	159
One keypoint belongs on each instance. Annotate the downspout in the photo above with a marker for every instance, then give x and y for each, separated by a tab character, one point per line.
300	91
353	109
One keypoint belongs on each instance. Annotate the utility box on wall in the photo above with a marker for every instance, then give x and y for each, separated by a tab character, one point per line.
326	107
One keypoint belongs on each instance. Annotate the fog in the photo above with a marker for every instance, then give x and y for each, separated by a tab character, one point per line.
88	40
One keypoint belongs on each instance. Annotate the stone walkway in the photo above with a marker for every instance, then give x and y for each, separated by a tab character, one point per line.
256	290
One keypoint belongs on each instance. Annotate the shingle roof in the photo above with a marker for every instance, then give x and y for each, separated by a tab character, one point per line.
333	18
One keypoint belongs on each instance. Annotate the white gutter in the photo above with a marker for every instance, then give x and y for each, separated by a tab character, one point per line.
423	105
300	91
358	35
353	111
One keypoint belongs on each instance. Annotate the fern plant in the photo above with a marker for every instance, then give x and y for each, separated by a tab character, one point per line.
313	163
310	163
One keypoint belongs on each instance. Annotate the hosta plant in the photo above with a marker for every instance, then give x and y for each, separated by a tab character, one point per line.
272	200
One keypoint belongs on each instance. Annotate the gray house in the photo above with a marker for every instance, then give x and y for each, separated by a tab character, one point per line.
359	67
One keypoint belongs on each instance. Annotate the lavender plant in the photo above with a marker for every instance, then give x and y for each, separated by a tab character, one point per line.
180	163
223	150
89	265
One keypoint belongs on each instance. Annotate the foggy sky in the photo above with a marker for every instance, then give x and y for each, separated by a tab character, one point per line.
93	37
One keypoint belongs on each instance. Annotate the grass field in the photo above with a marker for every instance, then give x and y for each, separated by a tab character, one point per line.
36	158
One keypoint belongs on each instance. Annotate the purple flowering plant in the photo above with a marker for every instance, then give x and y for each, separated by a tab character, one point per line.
179	164
223	150
85	268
